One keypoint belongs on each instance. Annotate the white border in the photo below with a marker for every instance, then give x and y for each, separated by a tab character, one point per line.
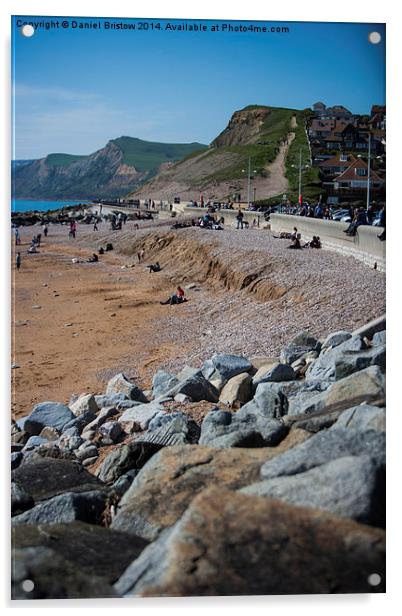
304	10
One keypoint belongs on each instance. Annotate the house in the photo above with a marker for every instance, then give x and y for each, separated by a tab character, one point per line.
351	184
336	165
319	108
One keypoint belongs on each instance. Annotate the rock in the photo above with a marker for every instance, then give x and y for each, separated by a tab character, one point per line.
295	393
122	484
324	366
101	551
369	329
86	452
16	459
164	488
274	373
50	434
163	382
229	543
335	339
110	400
224	367
48	450
351	487
363	417
125	458
21	500
379	338
237	390
351	362
85	403
45	478
267	402
302	343
140	416
67	507
80	422
196	387
70	439
19	438
33	442
365	386
315	423
170	429
258	361
324	447
181	398
252	426
121	384
53	577
52	414
89	461
187	372
111	430
101	418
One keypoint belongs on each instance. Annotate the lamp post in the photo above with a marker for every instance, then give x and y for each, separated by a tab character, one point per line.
368	173
249	180
300	176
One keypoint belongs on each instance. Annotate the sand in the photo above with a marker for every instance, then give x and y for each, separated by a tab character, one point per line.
250	296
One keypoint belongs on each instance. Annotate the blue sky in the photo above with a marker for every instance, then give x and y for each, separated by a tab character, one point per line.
76	89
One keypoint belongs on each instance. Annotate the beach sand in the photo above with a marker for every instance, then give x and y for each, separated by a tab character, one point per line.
95	320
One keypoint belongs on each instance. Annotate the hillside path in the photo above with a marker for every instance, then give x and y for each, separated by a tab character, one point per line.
277	182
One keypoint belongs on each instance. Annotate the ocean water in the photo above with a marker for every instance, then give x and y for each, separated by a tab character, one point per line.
27	205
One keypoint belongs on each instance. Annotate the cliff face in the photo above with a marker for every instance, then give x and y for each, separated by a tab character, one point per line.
105	173
244	127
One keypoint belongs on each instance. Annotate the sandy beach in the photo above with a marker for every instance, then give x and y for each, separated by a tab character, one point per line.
77	324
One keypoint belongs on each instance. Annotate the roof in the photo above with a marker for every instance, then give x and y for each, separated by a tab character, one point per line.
349	173
320	125
335	161
378	109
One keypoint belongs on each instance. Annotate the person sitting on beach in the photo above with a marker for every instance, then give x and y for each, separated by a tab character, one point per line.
177	298
109	246
101	251
18	260
93	259
314	243
32	249
154	267
295	242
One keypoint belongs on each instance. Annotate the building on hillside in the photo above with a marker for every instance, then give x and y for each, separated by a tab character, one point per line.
319	108
336	165
351	184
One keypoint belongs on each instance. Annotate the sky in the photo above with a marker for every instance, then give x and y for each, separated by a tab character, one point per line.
74	88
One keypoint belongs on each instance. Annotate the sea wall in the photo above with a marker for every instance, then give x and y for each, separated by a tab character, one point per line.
228	215
364	246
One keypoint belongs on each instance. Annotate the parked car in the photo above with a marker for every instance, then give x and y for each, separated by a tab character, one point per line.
339	214
346	218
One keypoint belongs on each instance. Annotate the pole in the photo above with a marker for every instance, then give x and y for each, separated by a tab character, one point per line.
368	172
249	182
300	181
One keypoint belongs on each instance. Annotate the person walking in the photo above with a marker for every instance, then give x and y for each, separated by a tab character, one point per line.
239	219
18	261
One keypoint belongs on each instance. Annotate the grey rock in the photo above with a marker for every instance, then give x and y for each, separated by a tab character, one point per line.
20	423
80	422
197	388
314	424
84	506
101	418
140	416
237	390
85	403
324	447
89	461
351	362
335	339
362	417
301	344
111	430
163	382
54	577
324	366
122	484
379	338
268	401
48	477
21	500
16	459
187	372
34	441
51	414
223	367
181	398
125	458
251	426
110	400
86	452
351	487
121	384
297	393
275	373
88	548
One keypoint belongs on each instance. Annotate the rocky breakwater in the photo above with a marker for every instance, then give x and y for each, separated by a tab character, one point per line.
245	476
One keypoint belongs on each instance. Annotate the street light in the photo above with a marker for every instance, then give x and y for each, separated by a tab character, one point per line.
300	176
249	180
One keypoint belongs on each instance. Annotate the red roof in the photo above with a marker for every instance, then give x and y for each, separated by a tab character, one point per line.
350	173
336	162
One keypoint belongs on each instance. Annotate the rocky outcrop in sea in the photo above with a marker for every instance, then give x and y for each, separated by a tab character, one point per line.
245	476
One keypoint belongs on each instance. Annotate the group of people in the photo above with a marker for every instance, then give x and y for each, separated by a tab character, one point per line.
208	221
177	298
295	238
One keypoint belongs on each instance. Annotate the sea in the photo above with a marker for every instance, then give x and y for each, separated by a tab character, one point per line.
27	205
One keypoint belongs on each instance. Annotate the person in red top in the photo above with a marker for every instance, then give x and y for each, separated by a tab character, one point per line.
177	298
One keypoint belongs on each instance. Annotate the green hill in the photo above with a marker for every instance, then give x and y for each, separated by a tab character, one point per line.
148	155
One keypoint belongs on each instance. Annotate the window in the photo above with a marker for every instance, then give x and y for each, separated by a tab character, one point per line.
343	158
361	172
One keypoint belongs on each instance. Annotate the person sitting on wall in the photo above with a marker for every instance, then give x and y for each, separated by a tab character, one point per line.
359	219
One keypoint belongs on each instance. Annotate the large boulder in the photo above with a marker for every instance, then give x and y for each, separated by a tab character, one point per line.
352	487
67	507
229	543
301	344
44	478
53	577
237	390
120	384
324	447
324	366
101	551
335	339
254	425
351	362
196	387
52	414
223	367
379	338
164	488
363	417
162	382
